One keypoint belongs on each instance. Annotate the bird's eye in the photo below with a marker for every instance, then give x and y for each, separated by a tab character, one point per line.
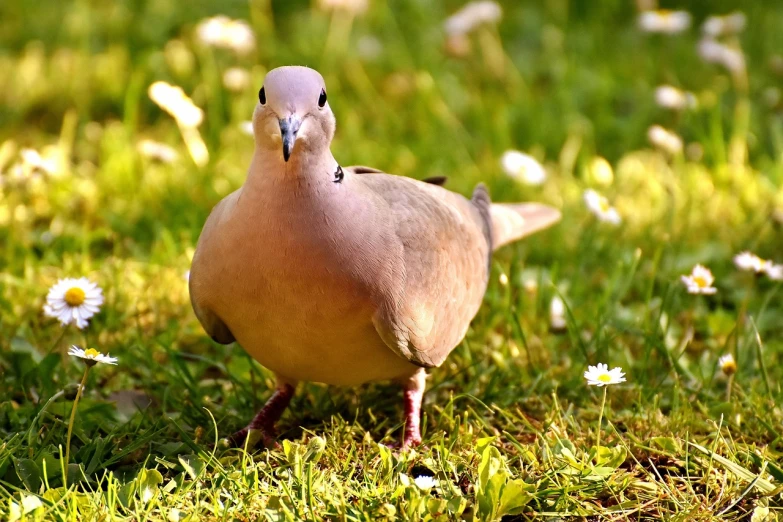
322	98
262	96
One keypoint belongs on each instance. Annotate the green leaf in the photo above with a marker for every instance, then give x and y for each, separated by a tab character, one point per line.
193	465
29	473
516	495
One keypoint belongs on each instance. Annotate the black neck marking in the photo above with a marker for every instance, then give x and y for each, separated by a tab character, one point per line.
338	175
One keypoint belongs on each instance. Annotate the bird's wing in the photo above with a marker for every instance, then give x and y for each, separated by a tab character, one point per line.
361	169
446	244
202	279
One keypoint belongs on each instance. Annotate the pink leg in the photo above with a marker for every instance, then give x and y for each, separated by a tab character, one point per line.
266	418
412	395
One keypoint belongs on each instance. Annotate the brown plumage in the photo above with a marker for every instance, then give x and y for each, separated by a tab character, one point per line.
342	275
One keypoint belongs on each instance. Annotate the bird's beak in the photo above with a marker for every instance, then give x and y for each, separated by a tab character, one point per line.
288	129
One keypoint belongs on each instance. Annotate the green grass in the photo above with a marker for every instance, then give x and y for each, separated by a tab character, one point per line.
510	426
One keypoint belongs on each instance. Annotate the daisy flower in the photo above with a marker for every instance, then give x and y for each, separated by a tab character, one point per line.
91	356
699	281
600	207
664	21
471	16
557	320
73	301
727	364
601	375
222	31
715	52
732	23
670	97
157	151
523	167
425	483
665	140
751	262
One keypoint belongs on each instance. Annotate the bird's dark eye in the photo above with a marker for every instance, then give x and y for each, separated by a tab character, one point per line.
322	98
262	96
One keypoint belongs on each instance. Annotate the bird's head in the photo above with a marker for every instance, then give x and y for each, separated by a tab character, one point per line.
293	115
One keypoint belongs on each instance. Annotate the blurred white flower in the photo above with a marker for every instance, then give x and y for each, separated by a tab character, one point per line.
600	207
91	356
471	16
715	52
523	167
665	140
33	159
732	23
350	6
748	261
775	272
247	127
503	279
236	79
173	100
699	281
425	483
222	31
664	21
73	301
557	320
157	151
670	97
601	375
727	364
751	262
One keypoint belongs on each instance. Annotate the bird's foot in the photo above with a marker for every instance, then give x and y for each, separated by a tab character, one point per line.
262	427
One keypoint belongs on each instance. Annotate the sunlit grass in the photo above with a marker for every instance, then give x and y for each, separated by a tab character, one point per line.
97	181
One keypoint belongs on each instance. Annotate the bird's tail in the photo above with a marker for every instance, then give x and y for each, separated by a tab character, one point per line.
513	221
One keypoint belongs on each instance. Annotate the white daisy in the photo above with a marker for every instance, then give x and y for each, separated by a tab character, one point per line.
157	151
748	261
246	127
665	140
73	301
774	272
699	281
664	21
732	23
91	356
601	375
173	100
715	52
557	320
600	207
670	97
727	364
472	15
222	31
425	483
236	79
523	167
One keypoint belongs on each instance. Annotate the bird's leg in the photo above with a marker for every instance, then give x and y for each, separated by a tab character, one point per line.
265	419
413	392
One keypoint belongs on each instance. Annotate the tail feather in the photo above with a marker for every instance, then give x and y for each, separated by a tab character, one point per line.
513	221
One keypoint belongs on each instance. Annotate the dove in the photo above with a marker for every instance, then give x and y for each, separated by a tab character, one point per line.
342	275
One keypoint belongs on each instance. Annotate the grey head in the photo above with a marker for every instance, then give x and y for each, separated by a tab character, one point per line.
293	115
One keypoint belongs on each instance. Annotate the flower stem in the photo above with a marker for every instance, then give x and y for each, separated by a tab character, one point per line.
70	425
600	418
729	382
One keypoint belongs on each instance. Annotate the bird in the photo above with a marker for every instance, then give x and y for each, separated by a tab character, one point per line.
342	275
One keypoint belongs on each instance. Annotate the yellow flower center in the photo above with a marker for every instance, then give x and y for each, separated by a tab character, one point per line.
74	296
604	205
605	377
700	282
91	352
